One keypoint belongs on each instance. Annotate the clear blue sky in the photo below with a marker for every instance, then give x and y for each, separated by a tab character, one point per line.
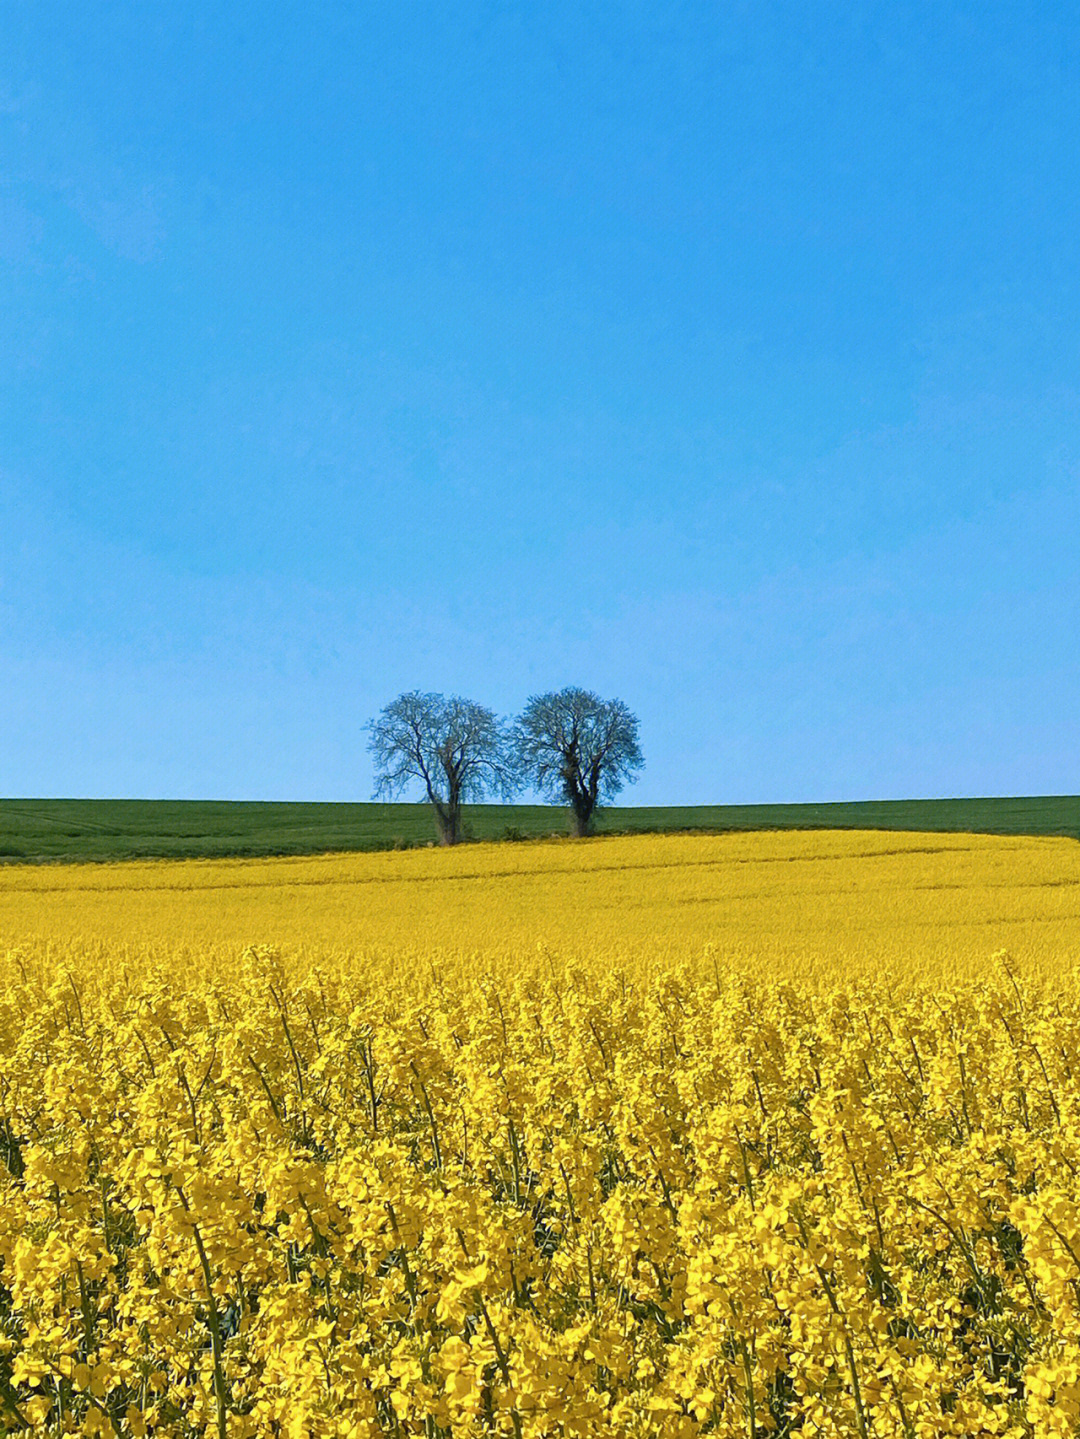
722	358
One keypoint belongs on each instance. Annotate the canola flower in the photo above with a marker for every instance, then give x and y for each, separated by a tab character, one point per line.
277	1195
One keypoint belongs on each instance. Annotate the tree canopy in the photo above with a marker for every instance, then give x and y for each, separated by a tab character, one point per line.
454	748
577	749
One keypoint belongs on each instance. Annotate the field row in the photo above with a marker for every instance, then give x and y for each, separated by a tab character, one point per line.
82	829
914	906
248	1203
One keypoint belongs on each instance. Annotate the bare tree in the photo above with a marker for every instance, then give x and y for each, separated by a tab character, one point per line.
577	748
454	748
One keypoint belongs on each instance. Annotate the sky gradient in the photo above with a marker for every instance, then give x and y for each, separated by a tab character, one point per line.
724	359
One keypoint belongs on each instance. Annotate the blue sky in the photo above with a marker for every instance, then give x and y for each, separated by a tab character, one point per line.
725	359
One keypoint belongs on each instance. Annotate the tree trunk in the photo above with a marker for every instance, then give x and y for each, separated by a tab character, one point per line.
447	813
581	818
446	826
448	823
453	809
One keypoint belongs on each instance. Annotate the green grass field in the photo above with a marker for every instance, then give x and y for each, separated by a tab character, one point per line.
80	829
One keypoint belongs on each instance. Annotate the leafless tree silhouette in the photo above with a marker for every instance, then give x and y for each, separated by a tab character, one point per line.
577	748
454	748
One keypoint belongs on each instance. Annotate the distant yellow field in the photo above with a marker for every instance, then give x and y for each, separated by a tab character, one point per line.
789	903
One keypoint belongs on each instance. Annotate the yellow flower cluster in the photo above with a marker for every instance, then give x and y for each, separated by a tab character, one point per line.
584	1205
270	1195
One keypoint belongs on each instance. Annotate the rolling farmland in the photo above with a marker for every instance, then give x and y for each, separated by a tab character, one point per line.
739	1134
61	829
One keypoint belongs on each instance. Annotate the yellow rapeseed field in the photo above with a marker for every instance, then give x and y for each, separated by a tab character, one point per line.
732	1135
838	903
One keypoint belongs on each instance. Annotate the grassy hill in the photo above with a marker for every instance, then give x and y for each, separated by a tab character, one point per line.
79	829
